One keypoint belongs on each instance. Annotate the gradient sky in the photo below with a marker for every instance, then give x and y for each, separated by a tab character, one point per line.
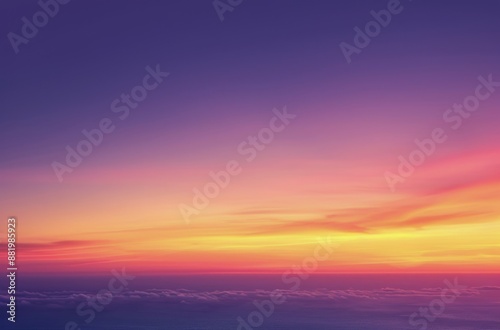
322	176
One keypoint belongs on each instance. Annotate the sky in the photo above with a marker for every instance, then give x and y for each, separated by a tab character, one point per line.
324	174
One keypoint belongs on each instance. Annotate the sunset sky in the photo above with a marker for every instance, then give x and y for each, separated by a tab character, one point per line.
321	176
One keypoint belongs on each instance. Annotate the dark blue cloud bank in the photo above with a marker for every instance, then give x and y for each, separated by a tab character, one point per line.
312	309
